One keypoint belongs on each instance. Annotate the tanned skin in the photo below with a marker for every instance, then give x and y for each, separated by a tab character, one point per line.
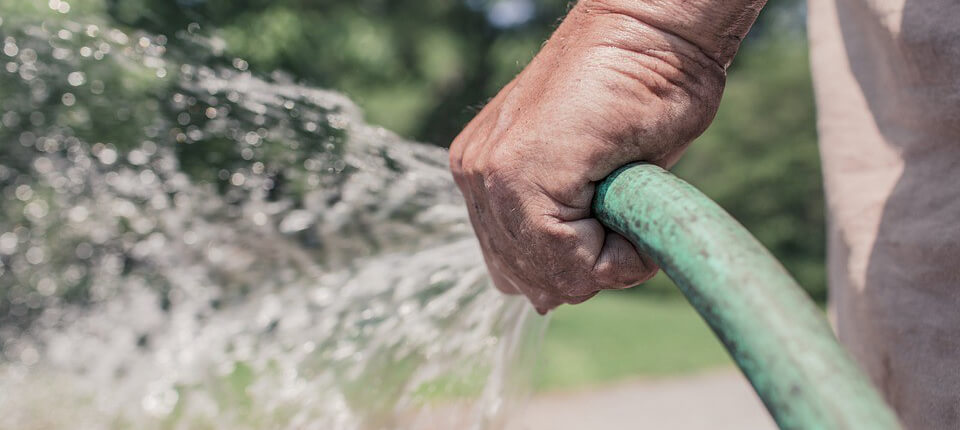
619	81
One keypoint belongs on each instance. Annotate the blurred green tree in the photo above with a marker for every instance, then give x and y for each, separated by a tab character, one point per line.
759	159
418	67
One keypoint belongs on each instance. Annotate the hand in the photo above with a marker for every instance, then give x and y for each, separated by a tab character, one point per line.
606	90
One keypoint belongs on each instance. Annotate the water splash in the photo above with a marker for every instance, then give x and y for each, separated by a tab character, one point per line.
185	245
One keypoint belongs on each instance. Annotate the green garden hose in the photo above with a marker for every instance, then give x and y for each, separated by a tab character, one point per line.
774	332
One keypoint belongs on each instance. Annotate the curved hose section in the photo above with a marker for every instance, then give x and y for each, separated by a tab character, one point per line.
774	332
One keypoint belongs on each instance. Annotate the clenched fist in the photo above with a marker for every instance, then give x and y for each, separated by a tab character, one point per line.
615	84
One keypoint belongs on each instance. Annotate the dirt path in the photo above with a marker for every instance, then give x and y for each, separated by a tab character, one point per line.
718	400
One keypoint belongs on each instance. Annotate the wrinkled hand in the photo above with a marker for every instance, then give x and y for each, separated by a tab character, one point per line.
607	89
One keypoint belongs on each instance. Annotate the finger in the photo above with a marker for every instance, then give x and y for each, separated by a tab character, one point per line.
620	265
580	245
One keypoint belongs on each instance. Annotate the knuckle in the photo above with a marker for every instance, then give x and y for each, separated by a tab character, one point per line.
469	166
456	159
459	176
559	237
498	168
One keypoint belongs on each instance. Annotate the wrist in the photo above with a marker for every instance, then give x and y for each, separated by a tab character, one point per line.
715	28
660	65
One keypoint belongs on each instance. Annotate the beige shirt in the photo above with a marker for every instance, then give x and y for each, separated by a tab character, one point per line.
887	81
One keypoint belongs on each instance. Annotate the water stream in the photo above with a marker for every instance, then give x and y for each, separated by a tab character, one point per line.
189	244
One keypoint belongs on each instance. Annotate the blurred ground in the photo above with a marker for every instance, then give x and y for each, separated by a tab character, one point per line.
621	335
638	360
716	400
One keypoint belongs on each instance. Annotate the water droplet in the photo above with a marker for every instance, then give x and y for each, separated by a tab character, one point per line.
36	209
296	220
28	56
8	243
259	218
10	119
28	72
78	214
137	157
118	37
68	99
160	401
43	165
37	118
84	251
147	177
35	255
29	356
107	156
76	78
23	193
46	287
61	53
252	138
149	147
240	64
10	48
237	179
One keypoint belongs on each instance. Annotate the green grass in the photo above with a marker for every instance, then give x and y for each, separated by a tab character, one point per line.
624	334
